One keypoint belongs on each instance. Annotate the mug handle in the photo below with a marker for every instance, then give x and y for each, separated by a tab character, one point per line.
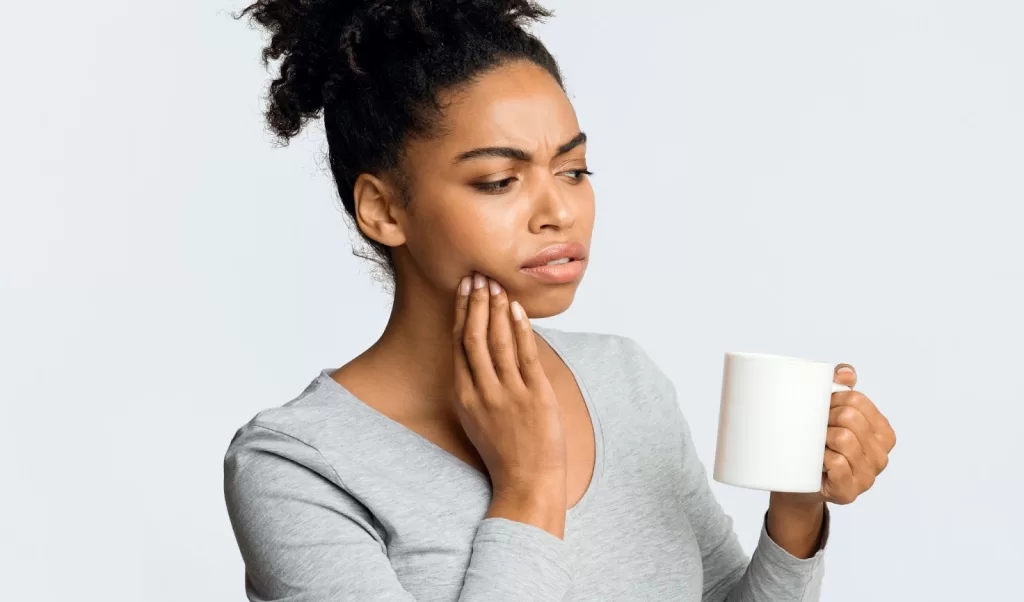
836	388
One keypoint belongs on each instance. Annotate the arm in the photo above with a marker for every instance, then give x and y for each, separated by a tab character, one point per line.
772	574
304	539
796	526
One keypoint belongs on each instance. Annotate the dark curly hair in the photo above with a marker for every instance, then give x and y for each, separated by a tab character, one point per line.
376	67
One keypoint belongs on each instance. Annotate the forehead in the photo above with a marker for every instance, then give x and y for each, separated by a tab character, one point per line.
519	105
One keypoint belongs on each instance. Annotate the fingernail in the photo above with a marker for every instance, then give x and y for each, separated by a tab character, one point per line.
517	311
495	287
464	286
845	369
478	281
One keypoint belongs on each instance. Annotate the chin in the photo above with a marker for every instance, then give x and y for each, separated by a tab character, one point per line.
546	301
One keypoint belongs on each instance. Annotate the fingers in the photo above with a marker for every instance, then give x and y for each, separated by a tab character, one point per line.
474	338
857	442
500	339
880	427
491	351
529	361
463	377
850	418
839	485
844	442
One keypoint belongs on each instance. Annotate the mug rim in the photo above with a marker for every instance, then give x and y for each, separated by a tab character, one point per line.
755	355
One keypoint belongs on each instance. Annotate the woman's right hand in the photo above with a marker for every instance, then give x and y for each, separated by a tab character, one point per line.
507	406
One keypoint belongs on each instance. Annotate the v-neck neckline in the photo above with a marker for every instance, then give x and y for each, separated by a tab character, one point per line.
447	456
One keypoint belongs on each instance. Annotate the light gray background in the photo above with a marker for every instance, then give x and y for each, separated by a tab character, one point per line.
842	182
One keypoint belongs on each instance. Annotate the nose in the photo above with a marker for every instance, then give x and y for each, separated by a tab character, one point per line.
553	209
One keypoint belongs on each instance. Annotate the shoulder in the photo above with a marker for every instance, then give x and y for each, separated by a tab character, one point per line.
576	342
289	436
615	372
605	354
635	399
278	468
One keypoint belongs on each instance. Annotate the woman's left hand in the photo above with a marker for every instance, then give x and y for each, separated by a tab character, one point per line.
857	446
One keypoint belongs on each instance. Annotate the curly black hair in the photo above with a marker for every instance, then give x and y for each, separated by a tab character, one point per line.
375	69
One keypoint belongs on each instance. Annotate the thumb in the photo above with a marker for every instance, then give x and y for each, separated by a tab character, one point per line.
845	375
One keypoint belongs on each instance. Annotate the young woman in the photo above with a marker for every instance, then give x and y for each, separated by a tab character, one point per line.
467	455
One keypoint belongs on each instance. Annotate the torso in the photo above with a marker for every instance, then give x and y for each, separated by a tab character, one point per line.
415	485
440	426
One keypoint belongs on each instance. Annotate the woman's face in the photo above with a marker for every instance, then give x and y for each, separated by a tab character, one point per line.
505	181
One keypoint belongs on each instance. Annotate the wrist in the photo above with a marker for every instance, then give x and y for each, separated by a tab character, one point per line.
795	523
539	504
796	504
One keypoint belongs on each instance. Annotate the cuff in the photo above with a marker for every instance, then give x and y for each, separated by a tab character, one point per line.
782	556
782	576
517	561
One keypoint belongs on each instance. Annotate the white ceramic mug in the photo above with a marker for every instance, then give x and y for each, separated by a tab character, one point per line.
773	421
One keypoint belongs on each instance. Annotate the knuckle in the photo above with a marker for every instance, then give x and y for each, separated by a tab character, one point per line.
499	336
838	462
493	398
473	342
858	399
845	438
501	345
848	415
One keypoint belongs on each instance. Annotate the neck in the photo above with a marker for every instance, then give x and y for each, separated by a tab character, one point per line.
417	341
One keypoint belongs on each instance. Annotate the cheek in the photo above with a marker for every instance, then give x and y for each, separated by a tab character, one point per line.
454	238
484	237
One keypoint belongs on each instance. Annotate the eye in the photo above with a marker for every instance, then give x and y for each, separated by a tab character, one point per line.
494	187
578	175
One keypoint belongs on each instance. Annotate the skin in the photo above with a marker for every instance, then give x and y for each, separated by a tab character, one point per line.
475	380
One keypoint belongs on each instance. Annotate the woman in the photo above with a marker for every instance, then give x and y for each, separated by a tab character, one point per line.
466	455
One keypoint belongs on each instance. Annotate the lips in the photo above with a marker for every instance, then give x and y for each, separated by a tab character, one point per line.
573	251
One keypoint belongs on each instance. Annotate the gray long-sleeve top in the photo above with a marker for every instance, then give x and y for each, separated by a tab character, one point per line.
332	501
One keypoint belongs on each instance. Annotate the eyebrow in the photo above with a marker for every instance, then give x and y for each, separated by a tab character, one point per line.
517	154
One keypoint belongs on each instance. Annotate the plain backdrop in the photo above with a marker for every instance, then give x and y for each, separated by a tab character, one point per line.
841	181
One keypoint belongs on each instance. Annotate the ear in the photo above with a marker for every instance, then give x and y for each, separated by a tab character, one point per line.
377	205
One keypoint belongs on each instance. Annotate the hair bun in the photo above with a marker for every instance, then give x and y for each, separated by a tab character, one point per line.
305	34
327	44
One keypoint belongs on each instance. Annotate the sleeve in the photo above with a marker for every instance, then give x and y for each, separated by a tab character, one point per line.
771	574
303	538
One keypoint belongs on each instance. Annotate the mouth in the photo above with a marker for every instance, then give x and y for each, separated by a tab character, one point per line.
557	264
557	254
